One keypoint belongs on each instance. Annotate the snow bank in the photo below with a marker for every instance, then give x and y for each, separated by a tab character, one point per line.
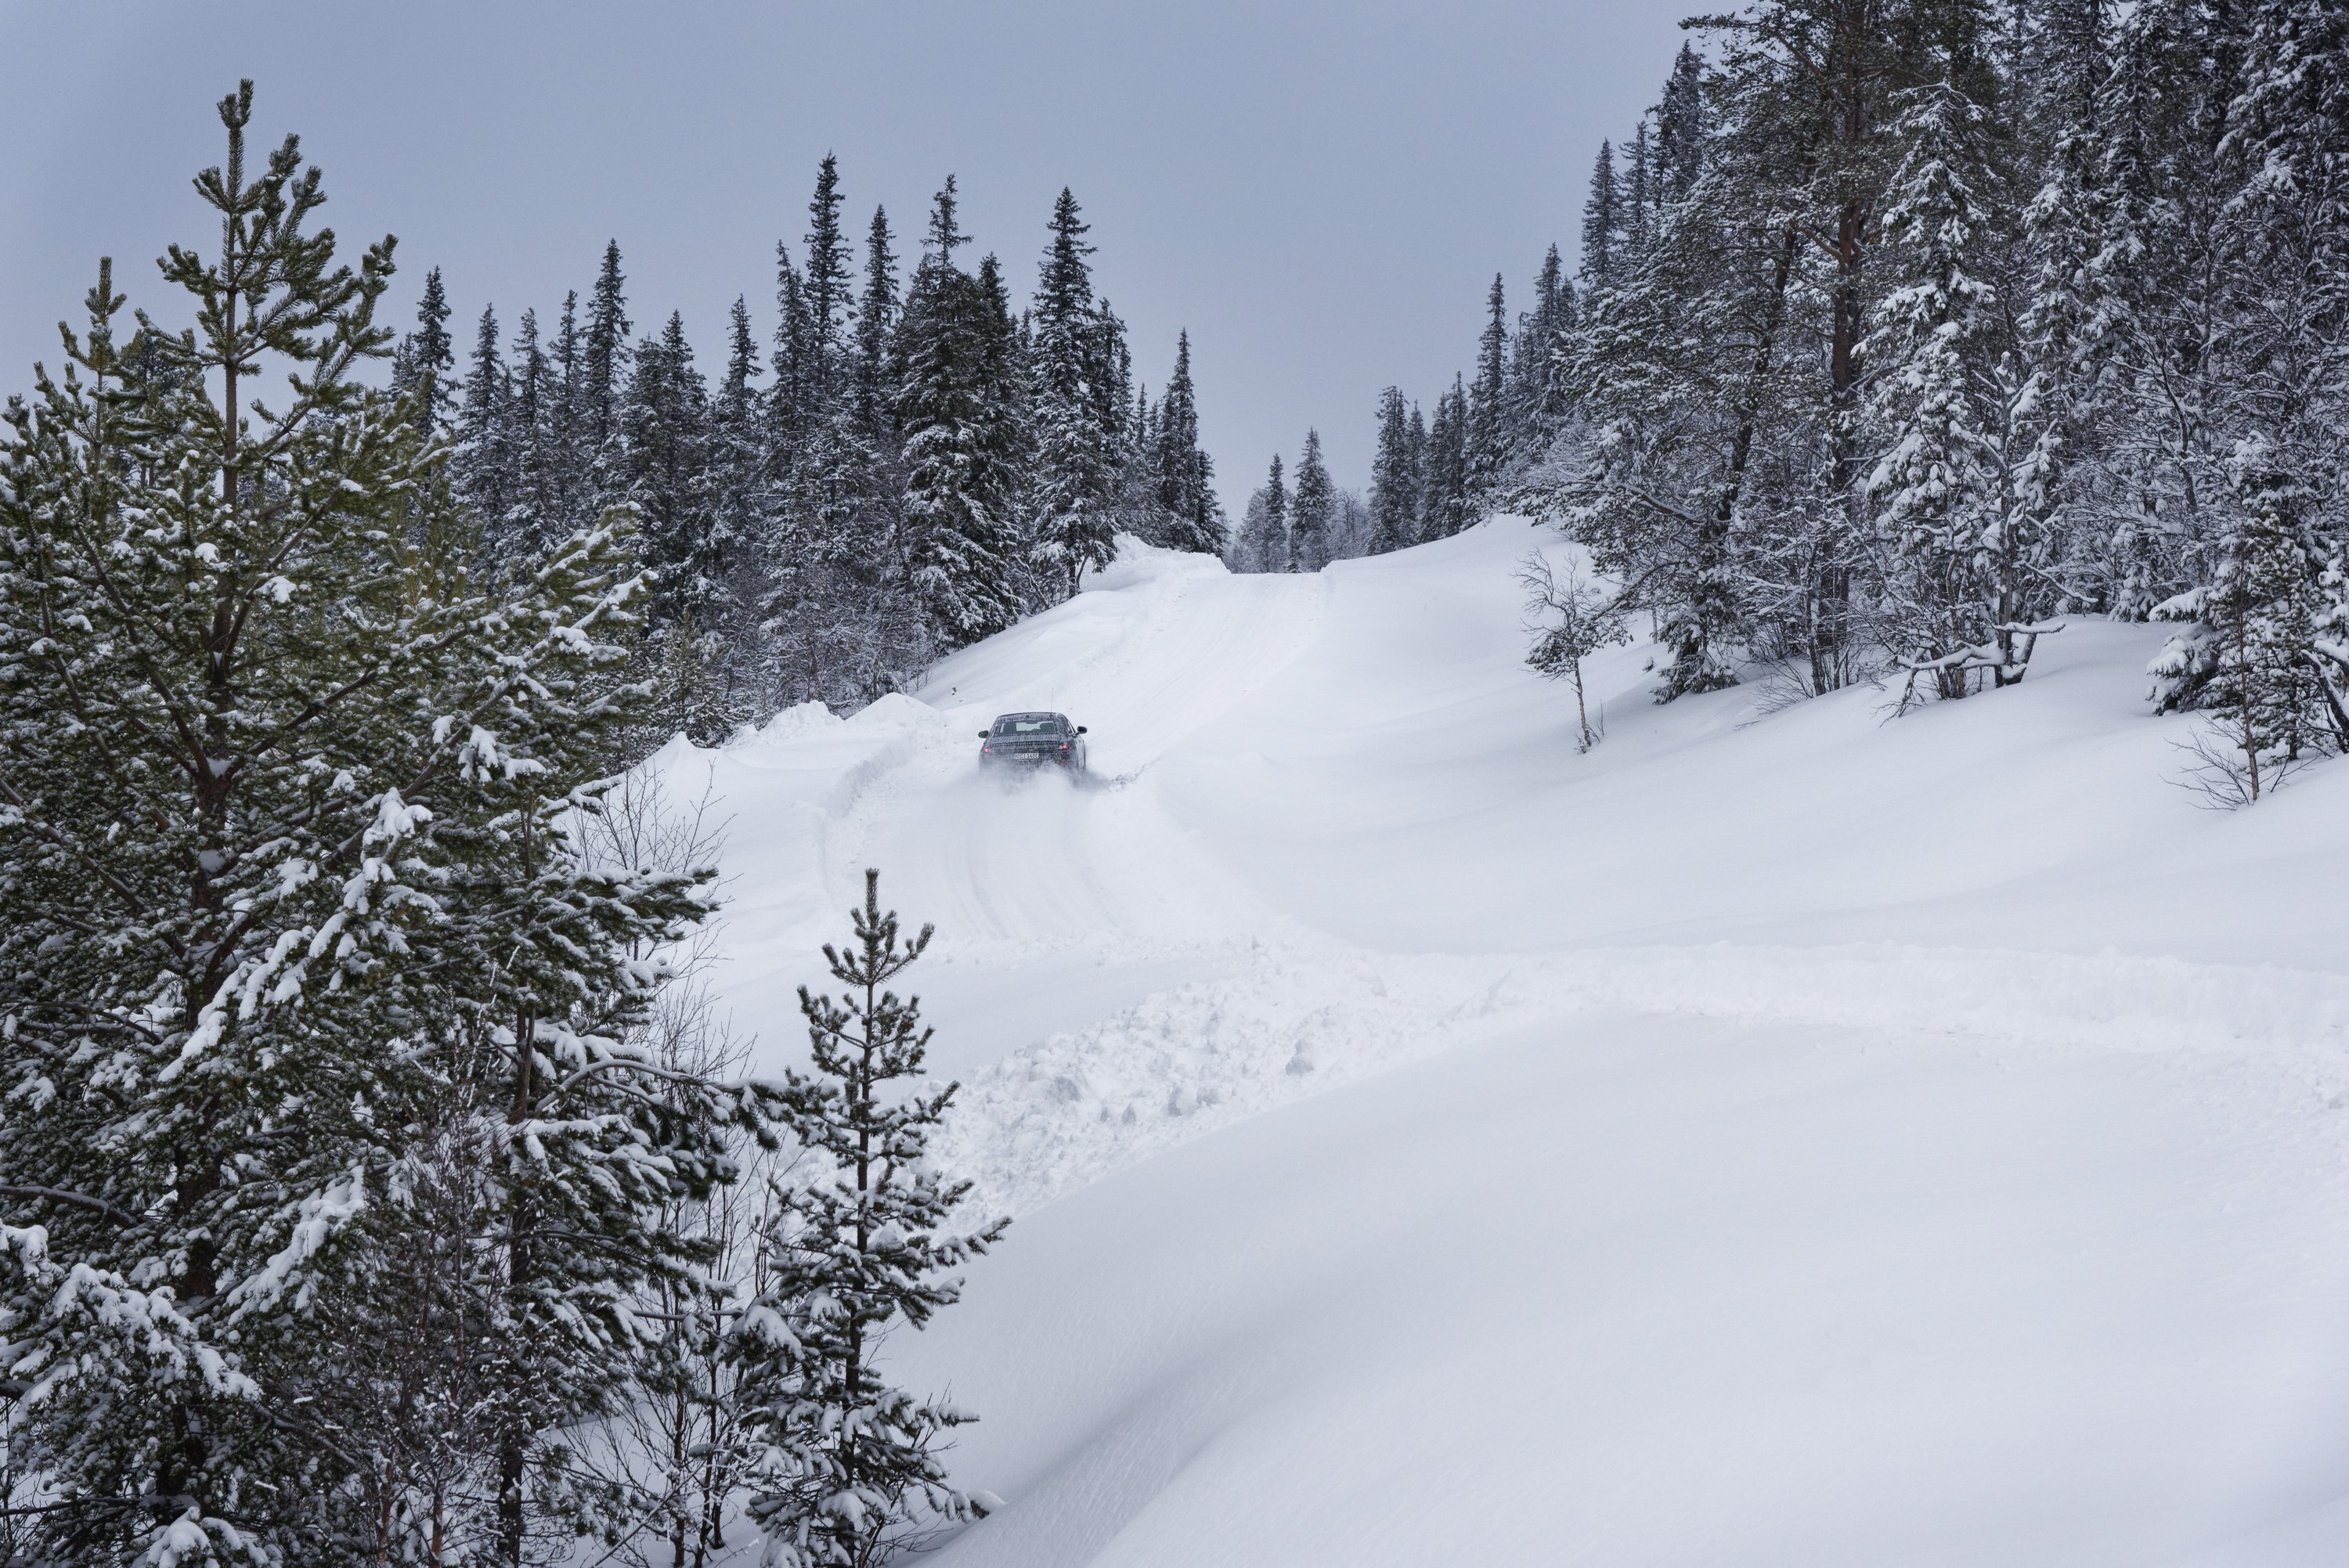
1779	1134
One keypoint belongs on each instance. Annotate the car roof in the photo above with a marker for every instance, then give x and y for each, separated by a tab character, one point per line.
1001	716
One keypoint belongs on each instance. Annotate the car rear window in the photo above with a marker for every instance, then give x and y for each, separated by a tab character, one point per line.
1027	727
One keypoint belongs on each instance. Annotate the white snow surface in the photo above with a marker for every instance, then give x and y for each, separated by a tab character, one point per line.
1783	1135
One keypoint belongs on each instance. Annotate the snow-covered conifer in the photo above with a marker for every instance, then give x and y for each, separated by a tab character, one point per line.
1394	479
1310	511
1491	425
847	1470
1601	222
1186	474
1077	445
960	484
341	1132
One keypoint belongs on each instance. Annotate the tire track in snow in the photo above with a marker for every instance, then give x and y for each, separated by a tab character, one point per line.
1305	1019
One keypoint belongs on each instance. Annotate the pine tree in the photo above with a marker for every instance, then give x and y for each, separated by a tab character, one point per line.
2262	649
792	404
1639	195
1394	478
1310	511
2245	656
1958	487
1185	474
831	303
1601	222
1490	449
534	496
321	1018
603	377
1537	399
484	468
426	366
569	450
1680	128
876	326
1077	456
960	493
1447	504
851	1470
1263	541
666	431
841	609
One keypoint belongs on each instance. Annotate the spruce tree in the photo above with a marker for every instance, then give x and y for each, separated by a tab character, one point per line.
849	1470
1490	448
1185	474
1601	222
828	289
1680	128
1261	544
1448	503
604	378
425	365
1394	479
484	468
961	479
570	448
1961	507
1538	373
1639	196
666	433
876	326
1077	456
1310	511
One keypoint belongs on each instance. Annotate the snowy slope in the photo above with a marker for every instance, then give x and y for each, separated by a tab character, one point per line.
1772	1137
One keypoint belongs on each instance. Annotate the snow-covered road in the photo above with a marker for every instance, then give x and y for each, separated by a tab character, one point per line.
1774	1136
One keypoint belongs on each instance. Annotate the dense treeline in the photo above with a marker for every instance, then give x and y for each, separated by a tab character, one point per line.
910	465
375	1186
1906	327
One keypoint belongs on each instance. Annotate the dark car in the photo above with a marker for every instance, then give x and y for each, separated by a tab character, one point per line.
1032	739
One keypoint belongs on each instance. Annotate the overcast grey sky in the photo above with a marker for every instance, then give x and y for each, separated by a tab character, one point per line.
1320	192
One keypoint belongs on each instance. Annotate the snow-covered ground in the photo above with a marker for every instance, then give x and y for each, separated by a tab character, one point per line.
1780	1135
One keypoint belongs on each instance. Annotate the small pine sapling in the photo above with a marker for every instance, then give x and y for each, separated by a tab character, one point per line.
849	1470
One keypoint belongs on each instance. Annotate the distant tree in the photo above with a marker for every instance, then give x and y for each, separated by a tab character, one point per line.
425	365
1537	362
962	477
876	326
1601	222
1262	543
1448	503
1491	425
484	471
1079	451
1185	473
1680	128
604	378
1394	479
1310	511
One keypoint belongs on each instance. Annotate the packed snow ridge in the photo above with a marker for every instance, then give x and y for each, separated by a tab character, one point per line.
1782	1133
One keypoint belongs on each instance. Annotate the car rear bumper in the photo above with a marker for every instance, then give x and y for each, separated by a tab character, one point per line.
1027	758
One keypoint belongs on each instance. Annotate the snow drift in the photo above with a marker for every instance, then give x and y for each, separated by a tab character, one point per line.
1779	1134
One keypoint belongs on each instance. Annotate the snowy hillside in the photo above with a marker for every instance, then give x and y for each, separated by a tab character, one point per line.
1774	1136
